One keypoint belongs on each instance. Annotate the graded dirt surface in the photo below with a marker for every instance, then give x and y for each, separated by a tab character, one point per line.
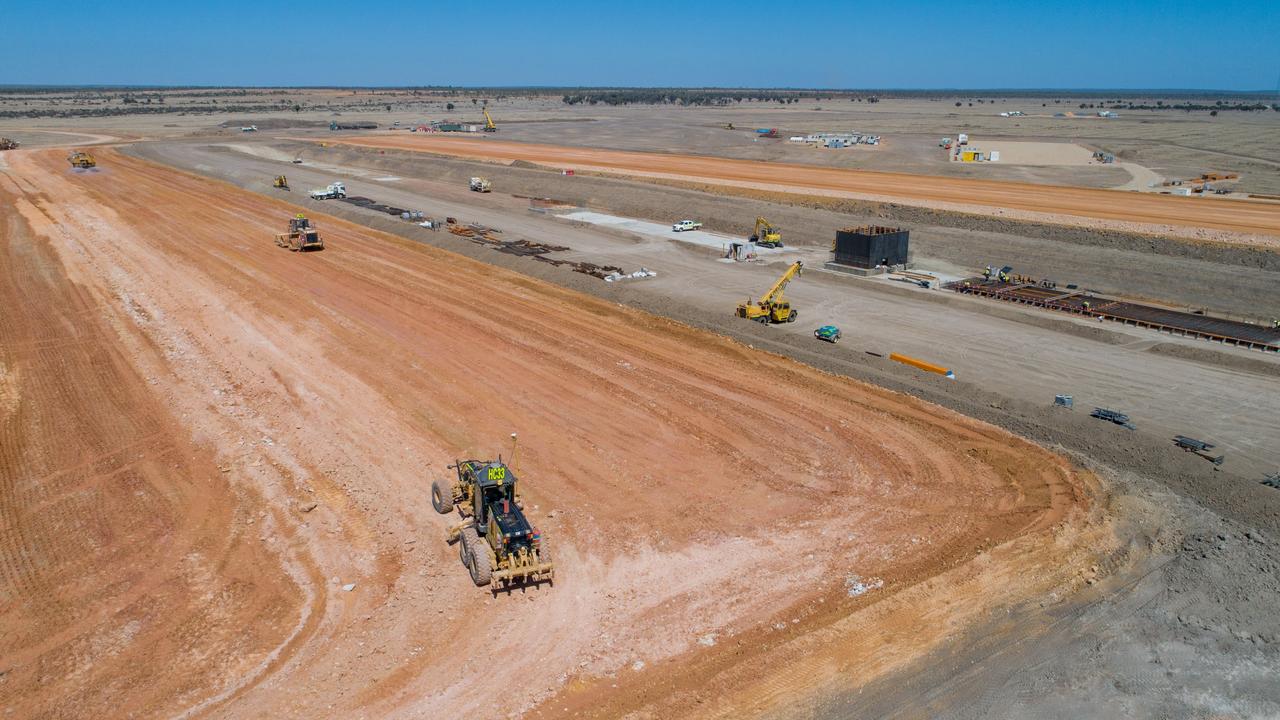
218	453
1255	221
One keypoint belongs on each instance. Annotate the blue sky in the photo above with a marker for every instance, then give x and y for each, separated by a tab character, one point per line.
1083	44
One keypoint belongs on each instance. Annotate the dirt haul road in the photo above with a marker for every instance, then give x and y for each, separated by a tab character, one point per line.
1061	203
207	440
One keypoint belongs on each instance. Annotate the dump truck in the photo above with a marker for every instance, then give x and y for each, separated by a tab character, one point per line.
82	160
772	308
7	144
479	184
331	192
281	182
765	234
302	235
496	542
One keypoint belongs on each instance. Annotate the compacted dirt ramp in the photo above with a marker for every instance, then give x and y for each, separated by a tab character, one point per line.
217	460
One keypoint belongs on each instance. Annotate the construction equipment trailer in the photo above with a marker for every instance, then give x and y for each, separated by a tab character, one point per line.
766	235
302	235
82	160
772	308
496	542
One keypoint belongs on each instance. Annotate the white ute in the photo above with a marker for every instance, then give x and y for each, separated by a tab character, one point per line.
685	225
334	191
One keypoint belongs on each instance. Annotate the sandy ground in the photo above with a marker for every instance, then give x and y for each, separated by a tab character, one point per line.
223	385
1115	369
1251	220
1176	625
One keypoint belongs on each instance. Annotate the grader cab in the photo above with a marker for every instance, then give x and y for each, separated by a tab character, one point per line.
496	542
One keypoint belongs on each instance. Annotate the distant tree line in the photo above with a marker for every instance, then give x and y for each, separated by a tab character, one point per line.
676	96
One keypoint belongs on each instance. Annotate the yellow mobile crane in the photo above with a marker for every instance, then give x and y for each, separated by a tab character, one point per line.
488	122
772	308
766	235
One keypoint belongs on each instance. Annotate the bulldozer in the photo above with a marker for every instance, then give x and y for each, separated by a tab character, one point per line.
302	235
82	160
496	542
772	308
766	235
281	182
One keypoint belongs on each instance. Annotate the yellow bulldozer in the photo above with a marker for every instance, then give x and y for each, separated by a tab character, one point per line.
281	182
82	160
772	308
766	235
302	235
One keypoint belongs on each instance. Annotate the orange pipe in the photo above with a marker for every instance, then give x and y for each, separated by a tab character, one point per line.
926	366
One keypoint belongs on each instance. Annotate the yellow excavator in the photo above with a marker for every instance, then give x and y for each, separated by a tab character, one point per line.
766	235
488	122
771	308
281	182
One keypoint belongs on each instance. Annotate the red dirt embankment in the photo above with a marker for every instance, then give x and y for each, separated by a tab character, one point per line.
207	438
1236	216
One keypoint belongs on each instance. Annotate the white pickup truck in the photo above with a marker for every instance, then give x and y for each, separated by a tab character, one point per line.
685	225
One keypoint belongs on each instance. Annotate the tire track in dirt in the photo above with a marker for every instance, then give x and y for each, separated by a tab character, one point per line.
350	377
115	549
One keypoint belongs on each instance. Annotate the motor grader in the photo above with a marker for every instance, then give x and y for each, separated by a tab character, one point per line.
302	235
496	543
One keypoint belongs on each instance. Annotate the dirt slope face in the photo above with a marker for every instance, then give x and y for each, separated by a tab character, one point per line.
130	581
1061	203
694	490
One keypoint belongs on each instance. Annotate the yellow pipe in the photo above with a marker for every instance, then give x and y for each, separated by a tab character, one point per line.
926	366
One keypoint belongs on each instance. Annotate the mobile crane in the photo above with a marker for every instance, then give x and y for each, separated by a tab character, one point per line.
766	235
488	122
771	308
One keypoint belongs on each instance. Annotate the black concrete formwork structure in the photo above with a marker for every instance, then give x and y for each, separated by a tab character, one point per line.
871	245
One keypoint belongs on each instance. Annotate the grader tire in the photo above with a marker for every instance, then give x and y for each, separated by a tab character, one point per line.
440	500
464	550
479	565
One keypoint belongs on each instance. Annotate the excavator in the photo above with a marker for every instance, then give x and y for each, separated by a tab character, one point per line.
488	122
766	235
771	308
281	182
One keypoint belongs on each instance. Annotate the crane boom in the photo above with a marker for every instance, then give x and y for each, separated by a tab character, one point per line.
775	293
489	126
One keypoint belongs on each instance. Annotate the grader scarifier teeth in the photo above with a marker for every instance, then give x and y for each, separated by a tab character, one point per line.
535	572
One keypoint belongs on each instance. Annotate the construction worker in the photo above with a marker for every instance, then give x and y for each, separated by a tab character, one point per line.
1275	324
986	274
1086	306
